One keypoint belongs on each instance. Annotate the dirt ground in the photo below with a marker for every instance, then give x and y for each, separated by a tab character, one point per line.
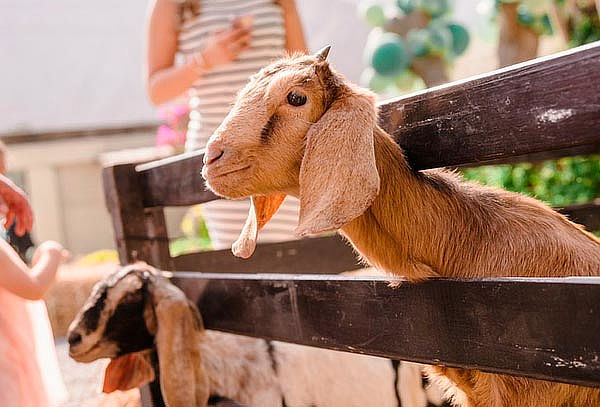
83	381
73	286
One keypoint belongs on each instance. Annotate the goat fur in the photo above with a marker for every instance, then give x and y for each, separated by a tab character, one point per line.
351	175
250	371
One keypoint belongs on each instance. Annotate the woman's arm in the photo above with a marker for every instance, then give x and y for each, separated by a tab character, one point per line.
294	37
32	284
164	80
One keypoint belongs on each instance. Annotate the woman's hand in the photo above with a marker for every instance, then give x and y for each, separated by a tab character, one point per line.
223	46
16	207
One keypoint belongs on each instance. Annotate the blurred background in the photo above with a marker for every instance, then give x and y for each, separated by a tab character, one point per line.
72	97
72	100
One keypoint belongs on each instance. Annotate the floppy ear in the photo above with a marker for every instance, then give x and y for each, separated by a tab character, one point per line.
262	209
179	327
128	371
338	174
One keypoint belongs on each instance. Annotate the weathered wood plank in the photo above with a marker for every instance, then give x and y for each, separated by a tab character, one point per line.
541	109
586	149
541	105
545	329
321	255
175	181
140	233
587	214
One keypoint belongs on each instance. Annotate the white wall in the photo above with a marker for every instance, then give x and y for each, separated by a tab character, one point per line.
71	64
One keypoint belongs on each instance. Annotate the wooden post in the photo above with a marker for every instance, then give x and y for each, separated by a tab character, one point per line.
141	234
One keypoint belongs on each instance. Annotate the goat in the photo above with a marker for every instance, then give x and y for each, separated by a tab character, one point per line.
299	128
135	308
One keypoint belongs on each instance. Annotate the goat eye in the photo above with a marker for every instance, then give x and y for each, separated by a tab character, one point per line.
295	99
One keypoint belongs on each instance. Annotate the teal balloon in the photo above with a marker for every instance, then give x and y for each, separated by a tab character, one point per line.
460	38
524	16
377	83
435	8
389	56
372	13
407	6
418	42
440	38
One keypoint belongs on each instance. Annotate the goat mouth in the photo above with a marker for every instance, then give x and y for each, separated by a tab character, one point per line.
86	355
228	172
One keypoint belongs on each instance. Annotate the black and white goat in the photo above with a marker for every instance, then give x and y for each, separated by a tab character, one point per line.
135	309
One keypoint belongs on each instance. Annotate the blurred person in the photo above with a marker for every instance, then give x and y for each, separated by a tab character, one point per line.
221	44
29	372
23	245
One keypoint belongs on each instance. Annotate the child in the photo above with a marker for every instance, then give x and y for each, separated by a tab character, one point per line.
29	375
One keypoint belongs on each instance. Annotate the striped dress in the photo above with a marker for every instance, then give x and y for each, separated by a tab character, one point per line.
213	94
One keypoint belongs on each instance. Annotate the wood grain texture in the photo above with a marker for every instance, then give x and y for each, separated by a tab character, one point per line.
541	105
541	109
587	214
321	255
140	233
175	181
544	328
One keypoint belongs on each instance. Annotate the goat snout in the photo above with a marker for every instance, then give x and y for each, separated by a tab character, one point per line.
213	152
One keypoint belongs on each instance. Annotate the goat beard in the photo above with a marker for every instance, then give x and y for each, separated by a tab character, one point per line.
128	371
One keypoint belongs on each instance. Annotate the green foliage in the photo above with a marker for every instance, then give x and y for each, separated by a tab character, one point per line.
560	182
186	244
196	234
585	31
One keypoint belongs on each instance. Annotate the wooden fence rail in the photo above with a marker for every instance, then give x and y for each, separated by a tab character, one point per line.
540	328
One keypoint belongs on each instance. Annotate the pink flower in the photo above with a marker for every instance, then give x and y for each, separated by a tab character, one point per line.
172	132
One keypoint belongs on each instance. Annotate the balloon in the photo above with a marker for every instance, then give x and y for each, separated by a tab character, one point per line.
418	42
389	56
524	15
440	37
374	81
435	8
407	6
460	38
372	13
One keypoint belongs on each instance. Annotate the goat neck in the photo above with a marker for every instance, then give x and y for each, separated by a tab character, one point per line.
430	223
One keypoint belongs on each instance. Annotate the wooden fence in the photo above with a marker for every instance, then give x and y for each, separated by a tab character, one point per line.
542	328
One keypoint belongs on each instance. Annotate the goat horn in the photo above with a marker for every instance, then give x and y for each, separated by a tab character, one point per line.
323	52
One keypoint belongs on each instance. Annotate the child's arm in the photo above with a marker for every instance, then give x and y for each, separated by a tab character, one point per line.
32	283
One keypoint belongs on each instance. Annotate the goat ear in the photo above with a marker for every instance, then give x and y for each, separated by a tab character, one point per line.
262	209
183	379
338	174
127	372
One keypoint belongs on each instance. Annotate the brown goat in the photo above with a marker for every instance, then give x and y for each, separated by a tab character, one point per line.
299	128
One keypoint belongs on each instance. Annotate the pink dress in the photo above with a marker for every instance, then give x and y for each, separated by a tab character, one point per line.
29	373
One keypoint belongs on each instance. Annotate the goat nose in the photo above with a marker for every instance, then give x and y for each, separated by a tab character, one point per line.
212	154
74	339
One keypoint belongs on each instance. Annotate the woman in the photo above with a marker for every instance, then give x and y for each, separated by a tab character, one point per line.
222	43
29	374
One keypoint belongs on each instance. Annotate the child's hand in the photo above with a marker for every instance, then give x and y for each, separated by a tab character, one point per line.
15	206
53	249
